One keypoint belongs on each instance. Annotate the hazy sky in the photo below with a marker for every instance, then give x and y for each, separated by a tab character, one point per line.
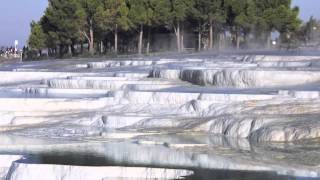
308	8
16	15
15	18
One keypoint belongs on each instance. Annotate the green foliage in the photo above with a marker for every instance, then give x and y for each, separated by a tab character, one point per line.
278	15
209	10
116	13
91	14
37	38
144	12
62	21
71	22
161	10
310	31
242	14
92	20
178	10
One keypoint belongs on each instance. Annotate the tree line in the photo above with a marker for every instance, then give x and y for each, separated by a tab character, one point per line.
101	26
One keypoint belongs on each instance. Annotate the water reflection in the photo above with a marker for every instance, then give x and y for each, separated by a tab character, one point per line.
240	175
199	174
210	157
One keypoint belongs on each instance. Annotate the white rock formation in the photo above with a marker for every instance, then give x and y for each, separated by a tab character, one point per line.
161	112
5	164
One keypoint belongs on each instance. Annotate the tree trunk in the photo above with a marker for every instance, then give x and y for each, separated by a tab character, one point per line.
199	38
245	40
55	51
221	41
70	50
101	47
211	36
81	48
73	50
140	40
178	37
91	41
225	40
49	52
182	43
182	40
116	39
268	40
61	50
238	40
148	43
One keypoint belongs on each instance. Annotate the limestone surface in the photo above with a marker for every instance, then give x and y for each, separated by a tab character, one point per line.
160	117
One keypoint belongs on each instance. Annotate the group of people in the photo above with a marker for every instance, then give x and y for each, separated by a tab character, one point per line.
8	52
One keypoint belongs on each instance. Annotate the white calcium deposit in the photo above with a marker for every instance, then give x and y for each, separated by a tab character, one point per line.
161	112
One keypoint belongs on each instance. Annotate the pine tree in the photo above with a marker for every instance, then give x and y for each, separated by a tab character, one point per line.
91	15
62	23
67	23
178	11
141	14
117	13
37	37
208	12
277	15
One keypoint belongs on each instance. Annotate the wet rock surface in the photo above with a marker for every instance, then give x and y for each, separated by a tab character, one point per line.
192	116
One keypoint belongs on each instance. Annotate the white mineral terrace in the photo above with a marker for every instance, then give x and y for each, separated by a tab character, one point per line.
161	118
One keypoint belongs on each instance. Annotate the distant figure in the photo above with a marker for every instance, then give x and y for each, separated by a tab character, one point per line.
24	51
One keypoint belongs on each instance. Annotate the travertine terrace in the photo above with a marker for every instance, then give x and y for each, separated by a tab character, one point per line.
160	117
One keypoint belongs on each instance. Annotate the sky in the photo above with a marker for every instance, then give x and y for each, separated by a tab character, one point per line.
16	15
308	8
15	19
